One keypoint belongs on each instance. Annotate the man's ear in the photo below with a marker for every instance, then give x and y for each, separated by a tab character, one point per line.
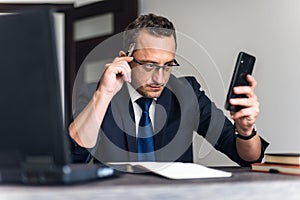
122	53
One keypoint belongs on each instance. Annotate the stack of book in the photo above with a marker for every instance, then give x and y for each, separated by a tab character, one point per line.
285	163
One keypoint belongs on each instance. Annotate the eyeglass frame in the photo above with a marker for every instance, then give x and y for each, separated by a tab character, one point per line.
153	66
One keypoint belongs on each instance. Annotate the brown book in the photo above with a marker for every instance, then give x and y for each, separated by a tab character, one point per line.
276	168
283	158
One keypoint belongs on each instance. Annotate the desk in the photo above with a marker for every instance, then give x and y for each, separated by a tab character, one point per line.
244	184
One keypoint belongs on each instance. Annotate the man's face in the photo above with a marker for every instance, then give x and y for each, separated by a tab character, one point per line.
154	50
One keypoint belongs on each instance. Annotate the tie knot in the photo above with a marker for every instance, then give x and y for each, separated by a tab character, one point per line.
144	103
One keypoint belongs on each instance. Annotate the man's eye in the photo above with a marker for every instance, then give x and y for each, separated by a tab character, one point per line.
149	65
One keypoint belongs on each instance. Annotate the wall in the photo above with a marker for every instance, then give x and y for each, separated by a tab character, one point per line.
270	30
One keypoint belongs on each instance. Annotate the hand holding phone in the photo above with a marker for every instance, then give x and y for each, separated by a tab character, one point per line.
244	66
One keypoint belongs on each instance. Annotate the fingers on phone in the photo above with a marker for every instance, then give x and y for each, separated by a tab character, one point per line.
251	80
242	90
245	102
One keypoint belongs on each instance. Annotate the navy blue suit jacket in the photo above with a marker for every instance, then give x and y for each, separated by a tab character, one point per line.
181	109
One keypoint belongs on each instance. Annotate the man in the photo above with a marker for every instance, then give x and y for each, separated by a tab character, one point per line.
110	119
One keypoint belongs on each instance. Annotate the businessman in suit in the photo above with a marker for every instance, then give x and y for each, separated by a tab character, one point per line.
139	111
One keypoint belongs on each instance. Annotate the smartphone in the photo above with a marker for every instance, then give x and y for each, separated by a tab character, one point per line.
244	65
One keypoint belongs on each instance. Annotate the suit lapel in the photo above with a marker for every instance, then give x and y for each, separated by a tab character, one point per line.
162	113
173	127
122	105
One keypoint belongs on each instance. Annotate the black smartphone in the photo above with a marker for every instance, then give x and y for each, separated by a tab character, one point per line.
244	65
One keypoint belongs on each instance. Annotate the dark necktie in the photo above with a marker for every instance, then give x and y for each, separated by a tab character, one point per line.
145	132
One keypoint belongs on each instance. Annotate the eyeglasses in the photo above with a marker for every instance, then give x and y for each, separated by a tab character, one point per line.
151	66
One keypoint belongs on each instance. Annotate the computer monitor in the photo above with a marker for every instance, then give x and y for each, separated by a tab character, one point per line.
34	144
30	103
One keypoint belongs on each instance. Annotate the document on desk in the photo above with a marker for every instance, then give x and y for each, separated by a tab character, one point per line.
171	170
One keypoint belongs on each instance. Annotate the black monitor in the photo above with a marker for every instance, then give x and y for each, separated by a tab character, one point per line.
31	120
34	146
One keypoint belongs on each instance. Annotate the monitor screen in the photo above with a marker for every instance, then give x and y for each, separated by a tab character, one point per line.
31	105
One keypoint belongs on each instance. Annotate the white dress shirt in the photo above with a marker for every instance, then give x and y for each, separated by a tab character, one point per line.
134	95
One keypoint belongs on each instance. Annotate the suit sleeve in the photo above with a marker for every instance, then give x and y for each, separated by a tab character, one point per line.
217	129
80	154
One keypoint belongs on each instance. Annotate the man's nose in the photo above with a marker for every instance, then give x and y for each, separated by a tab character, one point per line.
158	76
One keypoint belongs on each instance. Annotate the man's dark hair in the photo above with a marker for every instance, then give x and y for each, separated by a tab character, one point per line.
155	25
